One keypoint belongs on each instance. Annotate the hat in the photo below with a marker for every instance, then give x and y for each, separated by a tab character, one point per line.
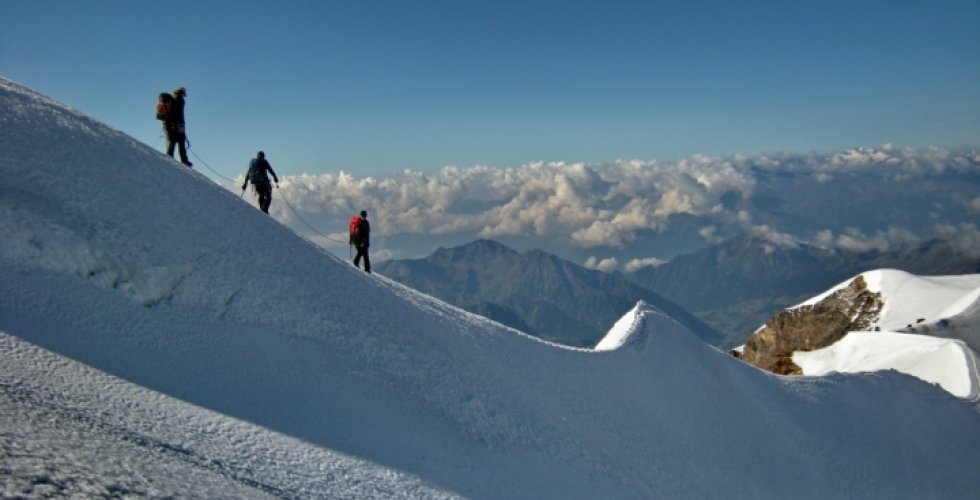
180	91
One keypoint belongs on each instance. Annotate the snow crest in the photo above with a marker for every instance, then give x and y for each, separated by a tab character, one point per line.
627	330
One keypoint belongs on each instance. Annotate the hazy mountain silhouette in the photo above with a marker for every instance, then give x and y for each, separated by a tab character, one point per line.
534	291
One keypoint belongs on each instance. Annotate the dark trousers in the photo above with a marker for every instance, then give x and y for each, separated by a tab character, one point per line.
177	138
264	190
362	251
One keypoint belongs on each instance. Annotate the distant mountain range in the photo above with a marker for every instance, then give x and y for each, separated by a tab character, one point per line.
723	293
535	292
737	285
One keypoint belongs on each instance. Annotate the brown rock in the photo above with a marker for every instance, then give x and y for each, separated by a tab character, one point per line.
807	328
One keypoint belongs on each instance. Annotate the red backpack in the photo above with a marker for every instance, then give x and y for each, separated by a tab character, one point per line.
355	228
163	106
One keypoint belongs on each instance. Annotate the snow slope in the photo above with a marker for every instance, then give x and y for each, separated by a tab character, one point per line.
265	365
949	363
70	429
929	303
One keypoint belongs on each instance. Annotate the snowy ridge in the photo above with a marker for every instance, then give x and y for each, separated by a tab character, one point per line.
626	330
123	260
911	300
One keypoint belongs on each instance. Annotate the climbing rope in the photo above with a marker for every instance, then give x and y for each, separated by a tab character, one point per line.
301	219
206	163
281	195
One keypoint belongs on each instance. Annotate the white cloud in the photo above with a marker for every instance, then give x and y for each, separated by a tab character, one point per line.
637	264
823	177
964	237
897	163
776	238
709	233
854	240
611	264
859	157
606	265
824	238
974	205
743	217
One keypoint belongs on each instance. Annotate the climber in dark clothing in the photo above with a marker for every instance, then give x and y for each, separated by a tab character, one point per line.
257	175
176	132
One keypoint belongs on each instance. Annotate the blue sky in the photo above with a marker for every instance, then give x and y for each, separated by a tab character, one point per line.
376	87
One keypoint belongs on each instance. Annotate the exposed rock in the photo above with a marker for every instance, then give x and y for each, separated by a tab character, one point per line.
738	284
812	327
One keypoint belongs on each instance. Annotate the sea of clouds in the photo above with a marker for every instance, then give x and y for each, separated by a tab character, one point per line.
900	196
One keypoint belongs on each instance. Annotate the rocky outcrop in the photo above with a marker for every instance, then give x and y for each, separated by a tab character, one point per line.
811	327
738	284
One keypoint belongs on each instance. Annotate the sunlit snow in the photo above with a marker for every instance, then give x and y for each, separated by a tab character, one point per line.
164	337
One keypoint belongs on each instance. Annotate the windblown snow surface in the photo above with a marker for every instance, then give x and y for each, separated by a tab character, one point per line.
940	305
164	337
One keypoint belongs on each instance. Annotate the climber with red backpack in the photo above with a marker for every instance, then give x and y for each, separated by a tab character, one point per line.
360	238
170	110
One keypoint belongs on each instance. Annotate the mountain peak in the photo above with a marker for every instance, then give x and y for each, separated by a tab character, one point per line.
536	291
481	248
627	330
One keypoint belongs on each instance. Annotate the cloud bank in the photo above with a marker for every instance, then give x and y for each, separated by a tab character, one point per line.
609	206
597	205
